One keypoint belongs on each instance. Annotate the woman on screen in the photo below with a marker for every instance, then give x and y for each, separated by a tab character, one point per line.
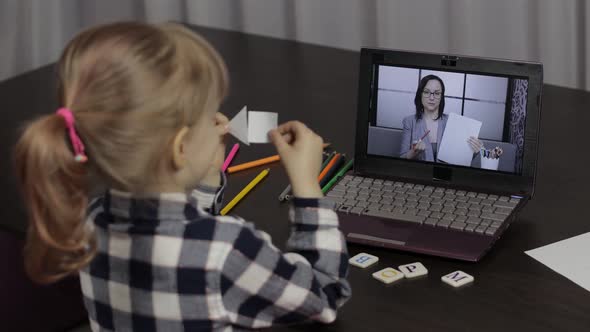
424	130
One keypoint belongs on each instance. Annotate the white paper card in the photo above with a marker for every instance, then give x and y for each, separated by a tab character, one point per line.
253	127
238	126
259	124
454	148
568	258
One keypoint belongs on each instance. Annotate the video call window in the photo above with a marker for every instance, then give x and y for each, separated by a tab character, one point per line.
499	103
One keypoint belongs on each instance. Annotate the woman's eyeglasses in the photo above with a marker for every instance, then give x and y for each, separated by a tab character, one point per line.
435	94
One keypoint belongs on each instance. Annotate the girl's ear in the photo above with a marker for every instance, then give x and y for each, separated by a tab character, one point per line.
179	149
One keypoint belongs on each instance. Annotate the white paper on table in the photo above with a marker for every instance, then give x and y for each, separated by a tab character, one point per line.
454	148
568	258
252	127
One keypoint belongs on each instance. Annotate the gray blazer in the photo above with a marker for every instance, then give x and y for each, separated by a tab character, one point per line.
414	129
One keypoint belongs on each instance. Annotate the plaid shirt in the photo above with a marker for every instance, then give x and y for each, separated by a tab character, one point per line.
169	263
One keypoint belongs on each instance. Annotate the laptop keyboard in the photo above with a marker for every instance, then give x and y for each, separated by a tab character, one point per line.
459	210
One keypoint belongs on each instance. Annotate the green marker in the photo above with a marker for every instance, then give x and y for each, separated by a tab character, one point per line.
337	177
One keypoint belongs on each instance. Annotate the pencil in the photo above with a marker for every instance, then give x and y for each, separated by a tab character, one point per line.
330	164
338	175
258	162
244	191
230	156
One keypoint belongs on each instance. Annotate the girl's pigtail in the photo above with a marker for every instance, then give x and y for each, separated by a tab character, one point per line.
54	184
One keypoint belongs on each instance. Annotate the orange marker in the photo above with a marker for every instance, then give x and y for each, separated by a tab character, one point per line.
254	163
258	162
329	166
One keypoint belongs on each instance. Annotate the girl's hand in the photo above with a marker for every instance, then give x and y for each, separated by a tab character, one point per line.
418	148
301	153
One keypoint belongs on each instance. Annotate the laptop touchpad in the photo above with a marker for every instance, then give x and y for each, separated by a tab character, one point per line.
400	232
377	229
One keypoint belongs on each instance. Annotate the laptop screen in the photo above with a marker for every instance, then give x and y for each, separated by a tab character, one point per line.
449	117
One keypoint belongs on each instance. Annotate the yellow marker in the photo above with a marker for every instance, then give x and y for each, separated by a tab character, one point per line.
244	191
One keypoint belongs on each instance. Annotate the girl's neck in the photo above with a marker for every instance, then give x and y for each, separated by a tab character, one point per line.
163	185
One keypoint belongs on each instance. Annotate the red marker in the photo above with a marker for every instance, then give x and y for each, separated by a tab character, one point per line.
414	144
427	132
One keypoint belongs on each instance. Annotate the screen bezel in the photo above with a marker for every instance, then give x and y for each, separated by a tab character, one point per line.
459	176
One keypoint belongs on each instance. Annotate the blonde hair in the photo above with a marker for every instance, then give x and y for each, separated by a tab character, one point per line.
131	87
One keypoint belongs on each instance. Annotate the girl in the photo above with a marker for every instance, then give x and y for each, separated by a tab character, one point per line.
140	117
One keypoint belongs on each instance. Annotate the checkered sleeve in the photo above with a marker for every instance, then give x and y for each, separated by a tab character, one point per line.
210	198
262	286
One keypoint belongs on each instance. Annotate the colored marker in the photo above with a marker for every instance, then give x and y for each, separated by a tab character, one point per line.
329	166
338	175
253	163
426	133
333	170
258	162
244	191
327	160
230	156
420	140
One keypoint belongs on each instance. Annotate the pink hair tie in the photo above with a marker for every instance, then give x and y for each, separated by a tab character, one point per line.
74	138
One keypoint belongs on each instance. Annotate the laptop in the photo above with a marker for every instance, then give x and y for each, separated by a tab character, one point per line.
445	155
